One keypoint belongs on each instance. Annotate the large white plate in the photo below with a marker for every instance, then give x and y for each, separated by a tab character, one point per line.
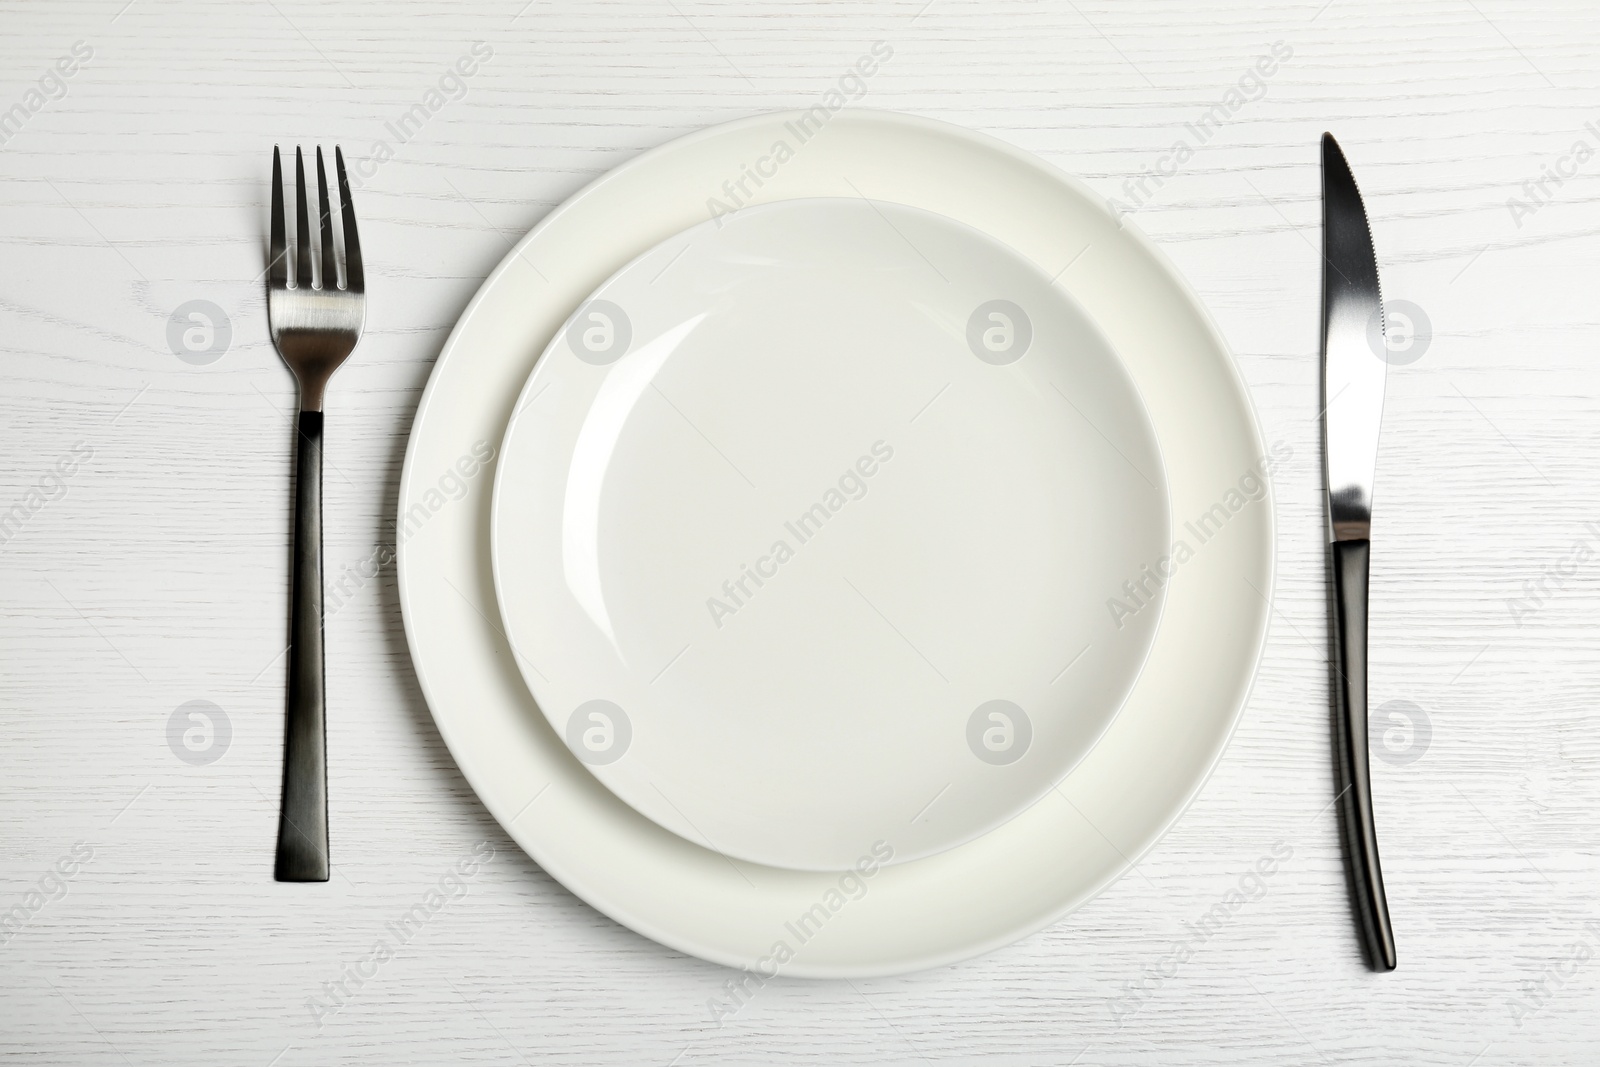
876	919
806	526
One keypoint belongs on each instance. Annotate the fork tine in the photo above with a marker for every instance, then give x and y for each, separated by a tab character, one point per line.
355	280
278	264
330	272
302	238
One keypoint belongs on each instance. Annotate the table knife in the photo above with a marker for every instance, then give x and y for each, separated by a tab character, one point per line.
1353	375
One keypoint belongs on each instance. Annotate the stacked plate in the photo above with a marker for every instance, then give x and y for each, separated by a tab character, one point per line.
835	554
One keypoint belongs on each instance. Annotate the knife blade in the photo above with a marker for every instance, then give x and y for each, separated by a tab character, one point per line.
1354	373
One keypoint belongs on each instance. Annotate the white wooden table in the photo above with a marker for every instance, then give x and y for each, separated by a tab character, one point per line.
144	565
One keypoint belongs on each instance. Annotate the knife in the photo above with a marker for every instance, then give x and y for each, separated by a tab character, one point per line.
1353	375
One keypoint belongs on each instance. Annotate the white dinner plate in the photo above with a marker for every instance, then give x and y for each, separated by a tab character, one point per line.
878	917
806	527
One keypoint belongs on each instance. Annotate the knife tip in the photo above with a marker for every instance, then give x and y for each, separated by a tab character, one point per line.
1332	154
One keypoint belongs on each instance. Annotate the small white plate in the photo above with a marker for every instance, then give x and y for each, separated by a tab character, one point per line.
809	528
874	919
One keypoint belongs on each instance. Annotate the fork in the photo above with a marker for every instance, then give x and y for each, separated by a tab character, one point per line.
314	326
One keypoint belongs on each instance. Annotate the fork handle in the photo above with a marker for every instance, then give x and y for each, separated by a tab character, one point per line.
303	817
1350	561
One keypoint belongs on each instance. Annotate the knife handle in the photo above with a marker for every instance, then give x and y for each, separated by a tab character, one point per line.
1350	569
303	818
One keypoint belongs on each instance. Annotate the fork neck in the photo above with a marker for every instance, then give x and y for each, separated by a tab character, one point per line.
312	393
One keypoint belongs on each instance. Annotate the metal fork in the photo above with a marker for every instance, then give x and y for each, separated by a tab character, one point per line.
314	326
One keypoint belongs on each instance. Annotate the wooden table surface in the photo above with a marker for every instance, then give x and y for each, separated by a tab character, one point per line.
144	515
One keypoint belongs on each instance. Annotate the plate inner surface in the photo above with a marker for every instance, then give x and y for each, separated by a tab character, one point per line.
824	531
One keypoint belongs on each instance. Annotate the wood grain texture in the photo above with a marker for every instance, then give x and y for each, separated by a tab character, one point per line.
160	575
